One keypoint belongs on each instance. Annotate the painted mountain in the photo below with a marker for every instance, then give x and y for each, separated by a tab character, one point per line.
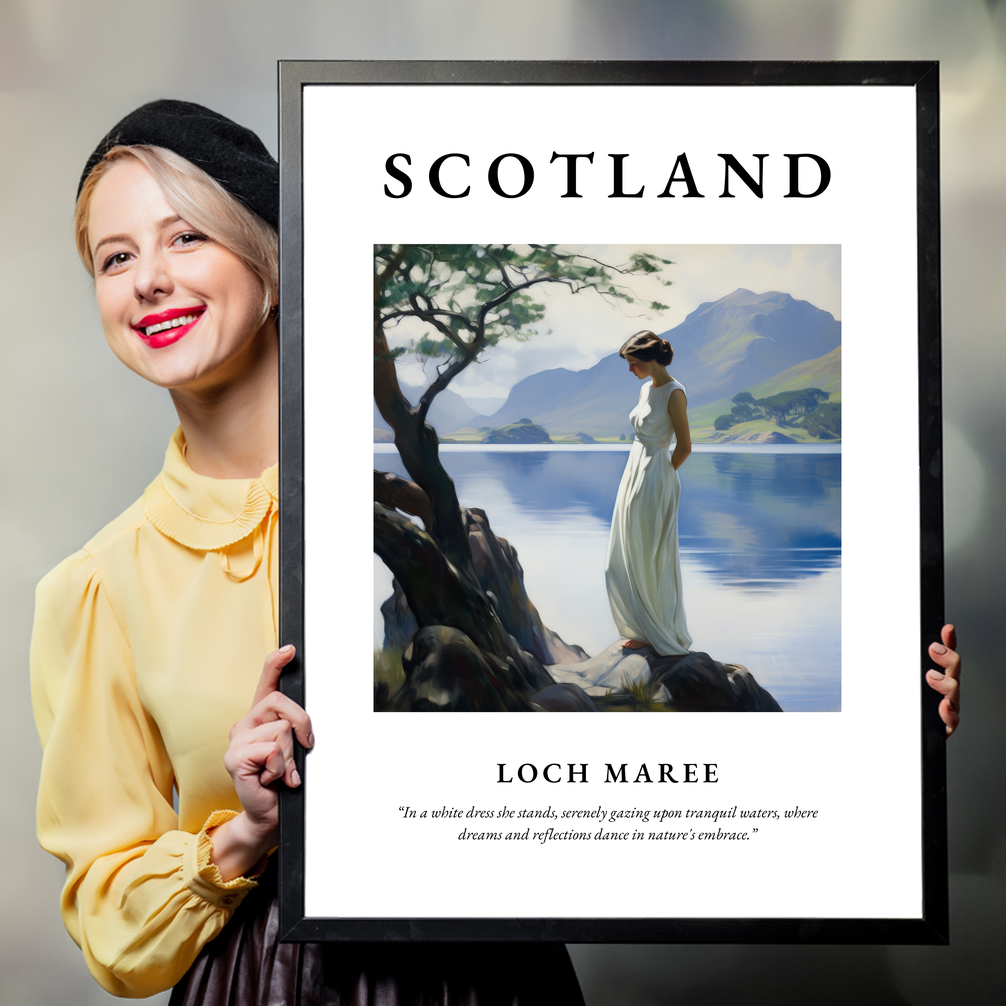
741	341
746	338
766	343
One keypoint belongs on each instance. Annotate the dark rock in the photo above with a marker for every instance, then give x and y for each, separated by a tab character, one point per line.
691	682
698	683
500	574
399	622
446	672
382	697
528	672
564	698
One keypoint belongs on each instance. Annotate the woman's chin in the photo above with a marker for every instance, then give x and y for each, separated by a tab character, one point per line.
172	375
197	365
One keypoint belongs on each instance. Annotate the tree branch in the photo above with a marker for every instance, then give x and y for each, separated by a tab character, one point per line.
430	317
499	265
391	403
401	494
624	270
436	592
445	377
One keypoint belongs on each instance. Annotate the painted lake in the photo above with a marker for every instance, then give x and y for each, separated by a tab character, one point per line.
760	534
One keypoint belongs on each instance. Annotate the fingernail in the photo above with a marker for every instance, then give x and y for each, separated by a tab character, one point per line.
936	675
295	777
938	648
287	649
310	740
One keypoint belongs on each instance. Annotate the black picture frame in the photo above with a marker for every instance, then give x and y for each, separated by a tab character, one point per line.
931	926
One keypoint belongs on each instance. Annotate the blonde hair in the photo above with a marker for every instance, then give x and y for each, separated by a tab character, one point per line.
199	200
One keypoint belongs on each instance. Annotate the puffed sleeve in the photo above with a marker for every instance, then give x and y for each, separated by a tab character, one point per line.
141	898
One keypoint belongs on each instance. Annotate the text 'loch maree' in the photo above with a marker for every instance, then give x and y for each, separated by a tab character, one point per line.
577	772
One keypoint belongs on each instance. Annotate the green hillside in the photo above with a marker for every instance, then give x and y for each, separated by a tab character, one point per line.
825	373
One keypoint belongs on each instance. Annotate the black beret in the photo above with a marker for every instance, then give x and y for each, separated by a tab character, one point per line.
230	154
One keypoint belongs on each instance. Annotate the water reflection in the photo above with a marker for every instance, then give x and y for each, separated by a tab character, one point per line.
761	553
744	518
764	520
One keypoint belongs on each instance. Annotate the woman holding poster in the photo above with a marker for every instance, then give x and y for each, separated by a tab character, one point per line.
165	738
643	571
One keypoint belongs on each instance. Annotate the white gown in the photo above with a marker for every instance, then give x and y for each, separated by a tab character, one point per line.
643	572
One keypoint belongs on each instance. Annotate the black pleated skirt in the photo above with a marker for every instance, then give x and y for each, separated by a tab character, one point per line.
246	965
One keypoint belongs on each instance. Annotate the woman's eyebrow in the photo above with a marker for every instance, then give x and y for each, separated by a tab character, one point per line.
160	225
109	240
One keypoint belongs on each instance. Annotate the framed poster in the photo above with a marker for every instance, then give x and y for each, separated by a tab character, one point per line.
466	248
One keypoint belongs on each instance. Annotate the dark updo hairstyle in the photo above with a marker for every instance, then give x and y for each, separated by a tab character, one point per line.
645	346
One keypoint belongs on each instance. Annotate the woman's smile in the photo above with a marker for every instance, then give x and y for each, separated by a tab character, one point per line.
167	327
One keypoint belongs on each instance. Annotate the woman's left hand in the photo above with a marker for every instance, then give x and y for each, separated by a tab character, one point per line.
947	682
260	754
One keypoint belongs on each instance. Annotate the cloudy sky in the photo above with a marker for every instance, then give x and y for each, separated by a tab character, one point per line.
578	330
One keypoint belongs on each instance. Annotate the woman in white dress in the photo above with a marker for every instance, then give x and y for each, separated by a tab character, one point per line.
643	572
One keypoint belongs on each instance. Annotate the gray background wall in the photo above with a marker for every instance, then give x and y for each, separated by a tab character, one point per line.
82	436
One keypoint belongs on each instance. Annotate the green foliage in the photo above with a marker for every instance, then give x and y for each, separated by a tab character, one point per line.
805	398
640	692
427	347
388	668
633	696
471	296
783	409
824	422
646	262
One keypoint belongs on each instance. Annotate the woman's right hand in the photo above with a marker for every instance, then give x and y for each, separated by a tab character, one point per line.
260	753
948	681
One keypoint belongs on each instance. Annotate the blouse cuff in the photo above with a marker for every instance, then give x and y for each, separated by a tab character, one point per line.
202	876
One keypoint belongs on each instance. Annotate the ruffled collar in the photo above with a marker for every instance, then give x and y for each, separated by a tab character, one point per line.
203	513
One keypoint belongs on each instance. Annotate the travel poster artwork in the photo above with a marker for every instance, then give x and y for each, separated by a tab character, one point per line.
500	438
499	584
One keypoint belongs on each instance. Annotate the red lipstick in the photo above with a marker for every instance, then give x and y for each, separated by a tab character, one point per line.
166	327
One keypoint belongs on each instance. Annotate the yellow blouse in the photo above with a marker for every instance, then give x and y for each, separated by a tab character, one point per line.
147	647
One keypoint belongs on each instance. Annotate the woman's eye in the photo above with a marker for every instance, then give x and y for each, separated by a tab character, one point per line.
190	238
114	261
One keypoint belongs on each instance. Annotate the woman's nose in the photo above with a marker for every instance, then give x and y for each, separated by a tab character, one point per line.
152	277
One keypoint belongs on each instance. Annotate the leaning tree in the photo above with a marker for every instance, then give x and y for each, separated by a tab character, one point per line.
465	299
